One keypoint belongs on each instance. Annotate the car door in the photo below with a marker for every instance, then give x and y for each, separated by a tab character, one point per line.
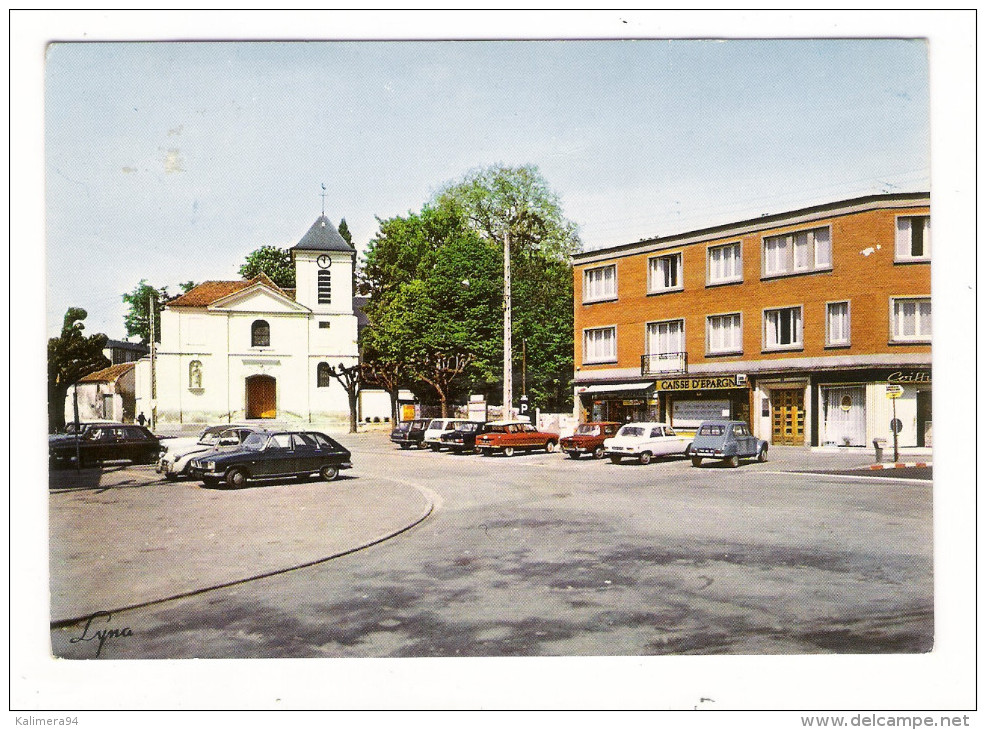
277	458
306	453
658	444
742	436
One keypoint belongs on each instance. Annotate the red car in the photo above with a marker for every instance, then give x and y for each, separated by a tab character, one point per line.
511	436
588	439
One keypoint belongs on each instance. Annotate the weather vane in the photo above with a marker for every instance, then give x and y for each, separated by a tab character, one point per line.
323	199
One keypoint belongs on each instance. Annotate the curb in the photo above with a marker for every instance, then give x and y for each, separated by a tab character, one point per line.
429	508
901	465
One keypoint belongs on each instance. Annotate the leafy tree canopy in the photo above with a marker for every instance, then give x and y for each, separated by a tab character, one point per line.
274	262
344	231
137	320
71	356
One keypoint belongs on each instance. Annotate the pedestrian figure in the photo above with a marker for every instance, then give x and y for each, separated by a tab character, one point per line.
141	419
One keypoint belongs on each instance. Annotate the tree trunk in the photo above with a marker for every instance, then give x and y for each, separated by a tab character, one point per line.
56	407
394	407
352	413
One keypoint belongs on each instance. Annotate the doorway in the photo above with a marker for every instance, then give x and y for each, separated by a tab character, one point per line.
924	417
261	397
788	417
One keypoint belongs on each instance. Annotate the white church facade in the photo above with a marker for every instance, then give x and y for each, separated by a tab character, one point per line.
234	351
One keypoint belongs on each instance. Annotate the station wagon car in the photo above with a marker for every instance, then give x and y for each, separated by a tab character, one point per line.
177	454
512	436
643	441
438	427
463	438
100	443
410	433
727	441
588	439
273	454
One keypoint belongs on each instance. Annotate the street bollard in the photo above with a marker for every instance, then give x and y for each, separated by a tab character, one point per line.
878	446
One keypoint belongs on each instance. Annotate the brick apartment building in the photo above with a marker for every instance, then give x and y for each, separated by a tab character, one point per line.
794	322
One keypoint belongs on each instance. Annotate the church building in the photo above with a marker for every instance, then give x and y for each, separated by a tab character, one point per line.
234	351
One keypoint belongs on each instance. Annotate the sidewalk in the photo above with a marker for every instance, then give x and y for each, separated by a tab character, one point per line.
122	537
821	458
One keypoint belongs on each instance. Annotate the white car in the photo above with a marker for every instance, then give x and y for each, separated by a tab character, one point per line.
438	426
177	453
644	441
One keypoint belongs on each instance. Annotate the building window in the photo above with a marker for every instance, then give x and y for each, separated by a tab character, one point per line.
599	345
913	238
725	264
324	286
797	253
910	320
724	334
260	334
666	337
664	273
837	324
324	325
195	375
599	284
782	329
324	375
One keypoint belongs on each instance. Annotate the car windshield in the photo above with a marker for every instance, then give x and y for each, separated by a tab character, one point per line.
586	430
436	424
254	442
468	427
631	431
711	430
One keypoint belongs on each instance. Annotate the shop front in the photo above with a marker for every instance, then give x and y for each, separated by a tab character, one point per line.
686	401
621	402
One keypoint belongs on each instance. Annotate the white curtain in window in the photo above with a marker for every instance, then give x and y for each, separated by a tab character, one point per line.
724	263
823	247
838	323
776	254
801	251
665	337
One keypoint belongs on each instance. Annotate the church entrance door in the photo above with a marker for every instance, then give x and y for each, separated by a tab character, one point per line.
261	397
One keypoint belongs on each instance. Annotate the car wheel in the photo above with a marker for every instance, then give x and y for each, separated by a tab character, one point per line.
599	452
696	461
405	447
732	461
644	458
210	481
171	476
550	447
435	447
574	454
688	450
484	452
236	478
508	450
762	456
329	472
616	459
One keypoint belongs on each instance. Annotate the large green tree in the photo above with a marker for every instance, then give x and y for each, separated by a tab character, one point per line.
274	262
71	356
141	300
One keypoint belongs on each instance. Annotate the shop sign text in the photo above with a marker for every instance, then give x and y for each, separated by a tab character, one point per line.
713	383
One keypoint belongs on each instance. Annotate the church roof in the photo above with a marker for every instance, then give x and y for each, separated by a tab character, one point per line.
110	374
208	292
323	236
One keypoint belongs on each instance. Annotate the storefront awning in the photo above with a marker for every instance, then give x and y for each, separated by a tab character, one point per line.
614	387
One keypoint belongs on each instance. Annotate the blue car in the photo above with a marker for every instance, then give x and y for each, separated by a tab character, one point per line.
727	441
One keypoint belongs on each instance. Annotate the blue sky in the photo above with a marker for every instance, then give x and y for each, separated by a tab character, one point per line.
175	160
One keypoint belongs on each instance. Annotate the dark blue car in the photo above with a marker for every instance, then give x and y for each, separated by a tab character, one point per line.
272	455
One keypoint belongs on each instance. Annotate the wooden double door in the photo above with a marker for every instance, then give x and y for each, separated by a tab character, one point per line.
788	416
261	397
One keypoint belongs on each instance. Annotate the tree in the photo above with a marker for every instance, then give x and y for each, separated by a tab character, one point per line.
274	262
71	356
349	378
136	319
344	231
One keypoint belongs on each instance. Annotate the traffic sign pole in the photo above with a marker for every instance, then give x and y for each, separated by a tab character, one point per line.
896	456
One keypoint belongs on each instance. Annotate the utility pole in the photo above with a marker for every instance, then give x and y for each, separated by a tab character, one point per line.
508	389
150	316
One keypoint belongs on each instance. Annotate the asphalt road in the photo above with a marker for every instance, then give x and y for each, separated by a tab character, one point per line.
541	555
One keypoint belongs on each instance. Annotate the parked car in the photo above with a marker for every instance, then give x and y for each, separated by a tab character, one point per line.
270	455
588	439
463	438
644	441
437	427
86	425
728	441
410	433
176	454
102	442
508	437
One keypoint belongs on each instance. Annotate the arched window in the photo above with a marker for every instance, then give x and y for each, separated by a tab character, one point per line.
325	287
260	334
324	378
195	374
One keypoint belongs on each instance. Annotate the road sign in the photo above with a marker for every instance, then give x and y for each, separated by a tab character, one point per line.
894	390
896	426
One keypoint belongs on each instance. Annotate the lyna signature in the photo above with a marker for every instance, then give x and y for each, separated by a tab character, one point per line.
93	633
